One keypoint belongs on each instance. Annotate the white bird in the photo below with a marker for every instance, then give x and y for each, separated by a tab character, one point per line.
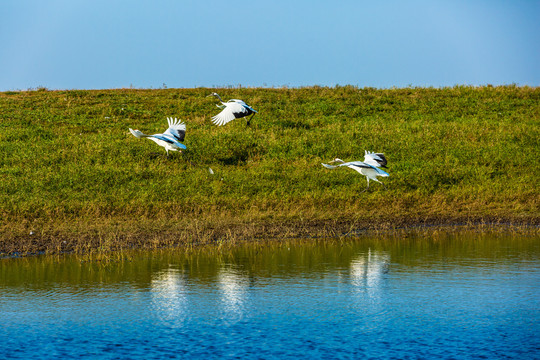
232	109
170	139
369	167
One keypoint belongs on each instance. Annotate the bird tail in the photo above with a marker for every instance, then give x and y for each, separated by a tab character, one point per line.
381	172
137	133
329	166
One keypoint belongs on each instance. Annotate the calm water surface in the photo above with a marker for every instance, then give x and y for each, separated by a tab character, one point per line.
465	297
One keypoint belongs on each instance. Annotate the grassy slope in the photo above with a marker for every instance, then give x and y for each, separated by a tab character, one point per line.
71	170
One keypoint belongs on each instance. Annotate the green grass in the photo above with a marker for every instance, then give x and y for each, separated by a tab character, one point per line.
70	168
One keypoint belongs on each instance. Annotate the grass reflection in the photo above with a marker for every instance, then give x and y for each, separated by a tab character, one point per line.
233	266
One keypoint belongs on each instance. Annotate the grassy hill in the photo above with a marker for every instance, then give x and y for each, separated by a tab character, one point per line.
73	175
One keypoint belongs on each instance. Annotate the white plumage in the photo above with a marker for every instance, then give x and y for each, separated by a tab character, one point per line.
375	159
369	167
232	109
170	139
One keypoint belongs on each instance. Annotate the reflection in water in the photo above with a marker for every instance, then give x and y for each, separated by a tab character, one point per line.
233	287
455	297
367	270
171	299
169	296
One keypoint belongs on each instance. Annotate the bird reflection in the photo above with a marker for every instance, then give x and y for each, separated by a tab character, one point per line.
367	271
169	297
233	287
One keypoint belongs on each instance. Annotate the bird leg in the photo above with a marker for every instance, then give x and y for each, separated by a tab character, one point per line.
367	188
384	186
250	119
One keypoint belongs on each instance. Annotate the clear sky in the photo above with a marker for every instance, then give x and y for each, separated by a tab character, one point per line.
103	44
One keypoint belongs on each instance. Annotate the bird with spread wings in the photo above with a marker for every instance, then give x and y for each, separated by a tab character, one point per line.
370	167
232	109
170	139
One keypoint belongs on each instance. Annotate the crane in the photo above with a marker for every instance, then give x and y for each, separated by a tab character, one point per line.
232	109
370	167
170	139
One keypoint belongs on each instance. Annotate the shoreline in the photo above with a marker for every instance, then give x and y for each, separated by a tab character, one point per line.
96	240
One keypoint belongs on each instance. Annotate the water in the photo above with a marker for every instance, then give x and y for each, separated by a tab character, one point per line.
466	297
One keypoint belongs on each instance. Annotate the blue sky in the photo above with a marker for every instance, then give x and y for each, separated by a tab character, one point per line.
103	44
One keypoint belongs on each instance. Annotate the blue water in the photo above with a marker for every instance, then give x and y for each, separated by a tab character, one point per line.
450	299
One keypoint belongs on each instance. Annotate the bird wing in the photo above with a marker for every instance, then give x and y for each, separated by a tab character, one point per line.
251	110
375	159
246	106
223	117
360	164
177	129
163	137
357	165
382	172
232	111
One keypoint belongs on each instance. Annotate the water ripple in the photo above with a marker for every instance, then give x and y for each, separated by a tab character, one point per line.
346	301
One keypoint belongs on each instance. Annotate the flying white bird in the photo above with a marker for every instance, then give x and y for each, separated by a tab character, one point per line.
232	109
170	139
369	167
